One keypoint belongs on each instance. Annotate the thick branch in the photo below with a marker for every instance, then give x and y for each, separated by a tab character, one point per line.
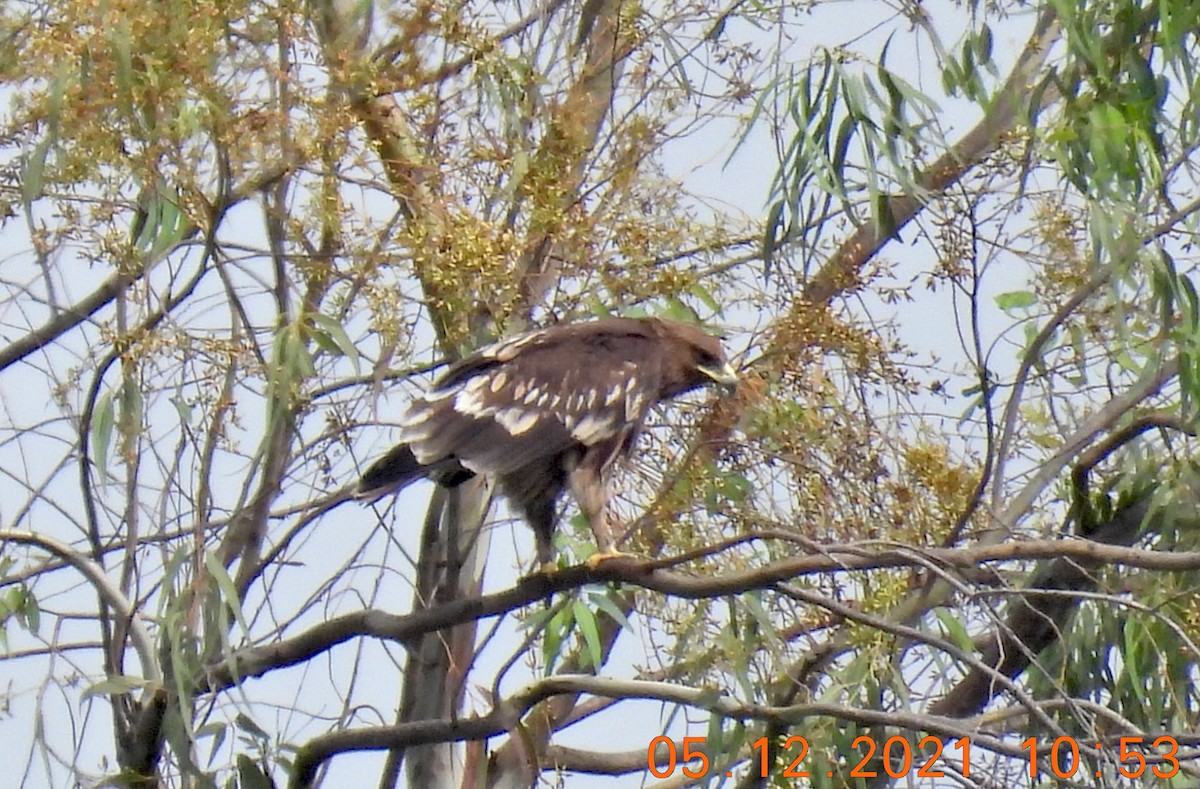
68	319
508	714
378	624
1038	618
595	762
842	271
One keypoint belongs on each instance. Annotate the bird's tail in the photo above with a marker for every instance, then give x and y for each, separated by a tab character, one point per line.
399	468
390	474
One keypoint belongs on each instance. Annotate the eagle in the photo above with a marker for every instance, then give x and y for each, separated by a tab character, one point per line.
549	410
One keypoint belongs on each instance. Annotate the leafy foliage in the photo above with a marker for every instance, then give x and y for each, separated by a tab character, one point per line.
957	274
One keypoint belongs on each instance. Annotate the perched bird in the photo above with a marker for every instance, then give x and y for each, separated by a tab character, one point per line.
547	410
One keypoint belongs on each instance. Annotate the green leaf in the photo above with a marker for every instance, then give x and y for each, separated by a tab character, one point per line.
607	605
122	46
1132	636
225	586
291	364
247	724
983	45
559	625
184	409
1079	346
29	613
955	630
336	333
714	735
162	224
1016	300
250	775
677	310
771	233
132	406
34	171
103	421
708	697
114	686
706	298
538	619
217	730
766	626
586	620
171	228
735	487
1189	305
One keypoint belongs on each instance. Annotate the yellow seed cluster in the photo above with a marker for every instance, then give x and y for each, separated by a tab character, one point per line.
465	249
935	473
139	84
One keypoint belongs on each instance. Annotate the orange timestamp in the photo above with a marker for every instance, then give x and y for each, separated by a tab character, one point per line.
1064	753
1062	757
898	757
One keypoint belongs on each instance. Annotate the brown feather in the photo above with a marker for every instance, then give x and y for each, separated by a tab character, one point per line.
547	410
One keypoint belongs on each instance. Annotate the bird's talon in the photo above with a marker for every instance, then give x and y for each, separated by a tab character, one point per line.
543	570
596	559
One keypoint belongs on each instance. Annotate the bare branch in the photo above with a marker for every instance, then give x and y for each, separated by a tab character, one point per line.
507	715
108	591
255	661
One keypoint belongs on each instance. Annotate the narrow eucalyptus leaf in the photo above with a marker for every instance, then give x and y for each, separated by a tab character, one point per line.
586	621
103	422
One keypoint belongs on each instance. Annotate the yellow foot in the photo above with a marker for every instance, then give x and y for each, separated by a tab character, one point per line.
595	559
543	570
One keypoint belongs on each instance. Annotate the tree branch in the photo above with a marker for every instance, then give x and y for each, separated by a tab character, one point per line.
842	270
108	591
254	661
72	316
507	715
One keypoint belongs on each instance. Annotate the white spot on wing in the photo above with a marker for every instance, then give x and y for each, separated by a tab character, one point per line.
470	400
590	428
614	395
416	422
415	432
633	399
416	417
498	381
633	405
424	454
516	420
436	395
507	349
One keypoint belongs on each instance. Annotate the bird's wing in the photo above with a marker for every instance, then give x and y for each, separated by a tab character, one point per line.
534	397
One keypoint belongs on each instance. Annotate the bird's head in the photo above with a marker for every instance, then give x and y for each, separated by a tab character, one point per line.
702	357
718	369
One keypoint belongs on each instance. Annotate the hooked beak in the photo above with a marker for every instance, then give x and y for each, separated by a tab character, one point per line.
724	376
